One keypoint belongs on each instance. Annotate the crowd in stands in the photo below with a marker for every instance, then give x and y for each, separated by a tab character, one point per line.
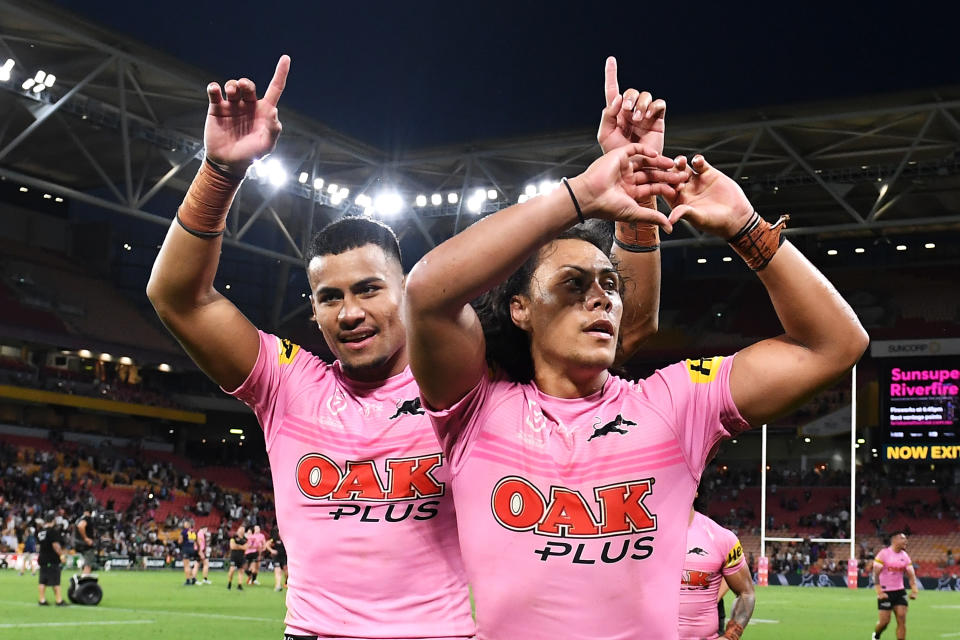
70	480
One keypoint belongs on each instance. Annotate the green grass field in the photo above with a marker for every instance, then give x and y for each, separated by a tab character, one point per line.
157	605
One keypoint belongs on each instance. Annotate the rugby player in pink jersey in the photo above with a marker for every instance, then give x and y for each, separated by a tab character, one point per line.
573	487
360	487
888	569
714	557
256	542
203	552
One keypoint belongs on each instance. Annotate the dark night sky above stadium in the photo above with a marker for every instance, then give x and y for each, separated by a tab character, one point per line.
403	75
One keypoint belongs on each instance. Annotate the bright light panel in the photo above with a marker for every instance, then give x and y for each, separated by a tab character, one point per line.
421	200
333	188
491	194
362	200
41	74
303	177
49	80
318	183
163	366
125	360
530	190
388	203
473	204
275	172
452	197
436	199
29	82
343	193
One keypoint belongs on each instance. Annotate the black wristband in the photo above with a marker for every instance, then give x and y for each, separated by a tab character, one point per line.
199	234
635	248
222	171
573	197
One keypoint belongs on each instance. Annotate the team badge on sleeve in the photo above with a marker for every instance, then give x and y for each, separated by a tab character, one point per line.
288	351
734	556
703	370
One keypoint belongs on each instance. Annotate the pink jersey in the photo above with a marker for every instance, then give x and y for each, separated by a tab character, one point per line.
573	512
712	552
256	542
362	499
894	563
201	541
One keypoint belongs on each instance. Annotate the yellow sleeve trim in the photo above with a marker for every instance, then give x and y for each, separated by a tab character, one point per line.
734	556
288	351
703	370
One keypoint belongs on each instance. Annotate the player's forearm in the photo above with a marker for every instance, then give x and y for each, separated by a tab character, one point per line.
743	608
812	312
485	254
641	305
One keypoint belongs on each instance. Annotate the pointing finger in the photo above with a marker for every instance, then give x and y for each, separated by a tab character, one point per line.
279	81
611	88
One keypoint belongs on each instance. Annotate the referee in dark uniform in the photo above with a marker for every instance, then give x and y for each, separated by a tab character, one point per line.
49	560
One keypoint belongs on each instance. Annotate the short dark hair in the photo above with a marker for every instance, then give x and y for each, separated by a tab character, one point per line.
352	233
508	346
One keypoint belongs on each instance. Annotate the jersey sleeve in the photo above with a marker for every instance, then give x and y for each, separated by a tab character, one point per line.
695	396
457	425
734	559
880	557
268	386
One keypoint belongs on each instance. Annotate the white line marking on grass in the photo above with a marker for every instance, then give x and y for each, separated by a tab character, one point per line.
762	621
278	620
947	606
949	635
19	625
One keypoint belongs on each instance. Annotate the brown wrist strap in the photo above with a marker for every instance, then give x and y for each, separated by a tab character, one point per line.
733	630
638	237
758	241
203	212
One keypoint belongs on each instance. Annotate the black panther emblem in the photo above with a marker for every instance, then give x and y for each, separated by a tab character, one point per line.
409	407
698	551
612	427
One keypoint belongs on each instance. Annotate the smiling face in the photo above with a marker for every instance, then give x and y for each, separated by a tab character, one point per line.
571	311
356	301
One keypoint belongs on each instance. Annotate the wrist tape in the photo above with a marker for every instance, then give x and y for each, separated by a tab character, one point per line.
733	631
758	241
204	209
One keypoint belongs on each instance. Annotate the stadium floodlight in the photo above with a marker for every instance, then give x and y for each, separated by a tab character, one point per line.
807	440
259	169
163	366
58	199
24	189
436	199
336	199
859	250
831	252
40	77
901	247
37	88
523	198
47	196
303	177
332	188
473	204
388	203
236	432
84	353
421	200
452	197
491	194
480	193
544	187
727	259
930	245
49	80
362	200
318	183
125	360
530	190
275	172
106	357
701	261
6	69
343	193
29	82
861	440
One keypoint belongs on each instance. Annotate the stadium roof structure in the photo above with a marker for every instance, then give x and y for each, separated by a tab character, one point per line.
121	123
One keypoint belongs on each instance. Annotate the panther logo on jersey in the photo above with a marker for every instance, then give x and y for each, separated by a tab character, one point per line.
698	551
408	407
611	427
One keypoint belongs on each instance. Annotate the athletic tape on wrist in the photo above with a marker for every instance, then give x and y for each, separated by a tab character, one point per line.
733	631
757	241
203	212
637	237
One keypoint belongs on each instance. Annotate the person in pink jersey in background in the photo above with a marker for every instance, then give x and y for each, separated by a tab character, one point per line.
714	557
257	542
203	554
888	569
360	485
572	486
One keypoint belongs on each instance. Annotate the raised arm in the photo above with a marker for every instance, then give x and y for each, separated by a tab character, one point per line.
238	130
741	583
822	337
634	117
444	337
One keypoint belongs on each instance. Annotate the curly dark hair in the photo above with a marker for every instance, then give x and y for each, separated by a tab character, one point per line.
508	346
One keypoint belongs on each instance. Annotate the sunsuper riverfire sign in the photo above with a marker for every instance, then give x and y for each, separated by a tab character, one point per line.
919	403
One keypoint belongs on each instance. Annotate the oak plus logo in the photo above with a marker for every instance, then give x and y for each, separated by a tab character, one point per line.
403	480
616	512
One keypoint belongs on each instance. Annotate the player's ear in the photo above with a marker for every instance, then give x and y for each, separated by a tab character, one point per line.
520	311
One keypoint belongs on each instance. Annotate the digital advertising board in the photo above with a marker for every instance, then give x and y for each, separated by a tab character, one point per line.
920	417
